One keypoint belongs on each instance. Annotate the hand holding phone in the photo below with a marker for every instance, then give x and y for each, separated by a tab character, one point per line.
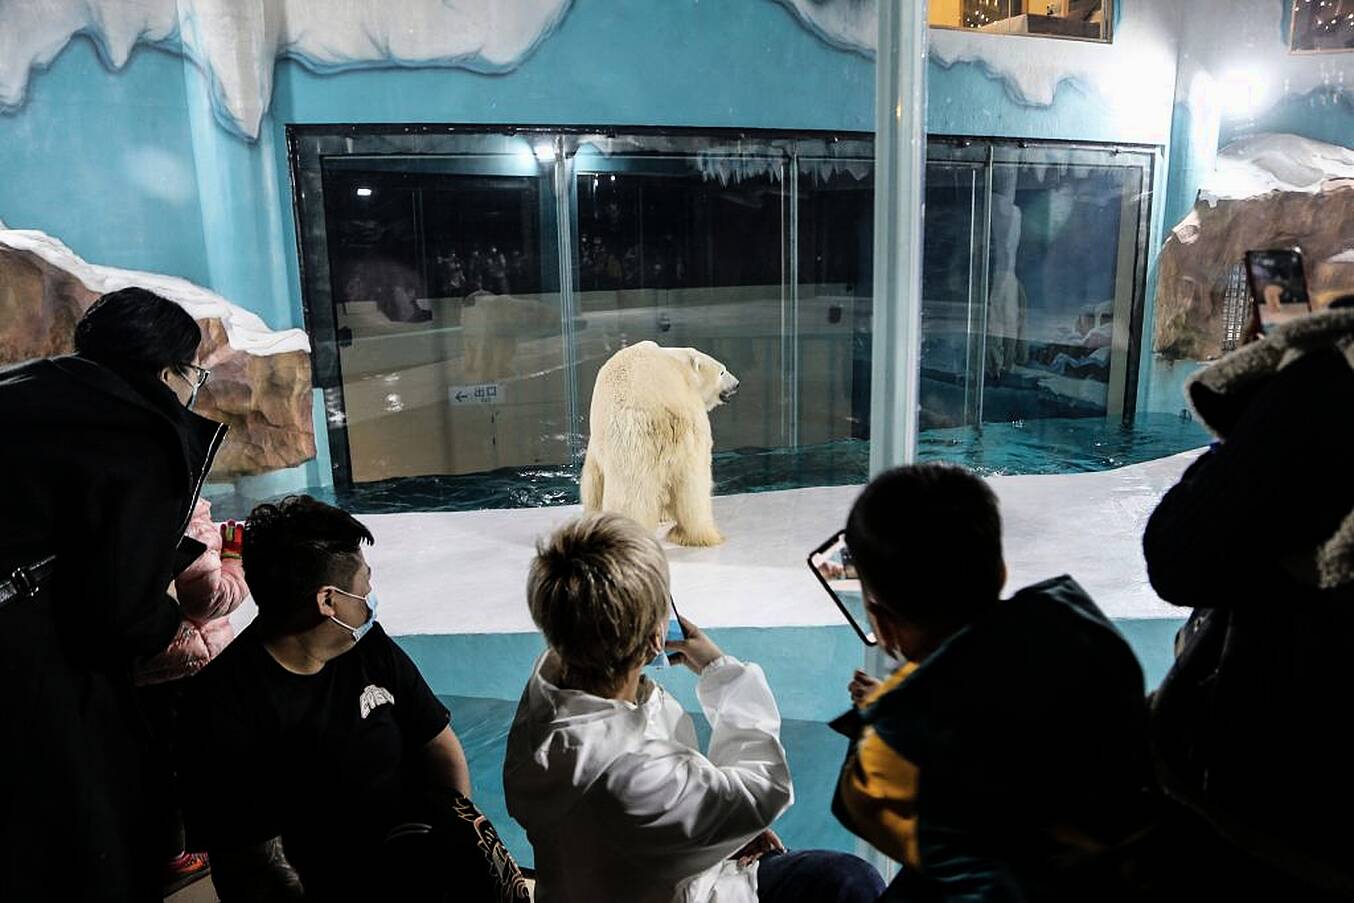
695	649
1278	286
832	564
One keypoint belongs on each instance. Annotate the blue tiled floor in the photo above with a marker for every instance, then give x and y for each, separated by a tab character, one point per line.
815	754
1053	445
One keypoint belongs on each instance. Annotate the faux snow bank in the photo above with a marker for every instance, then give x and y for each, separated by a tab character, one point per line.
465	572
236	44
1268	191
1259	164
245	331
260	384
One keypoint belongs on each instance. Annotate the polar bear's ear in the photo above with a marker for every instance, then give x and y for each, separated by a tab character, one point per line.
695	362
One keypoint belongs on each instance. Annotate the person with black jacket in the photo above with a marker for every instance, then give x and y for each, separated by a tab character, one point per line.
101	463
1258	537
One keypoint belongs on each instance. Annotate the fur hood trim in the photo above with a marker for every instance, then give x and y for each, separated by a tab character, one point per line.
1221	393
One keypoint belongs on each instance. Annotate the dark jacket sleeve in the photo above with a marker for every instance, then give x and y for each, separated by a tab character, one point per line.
1279	485
115	585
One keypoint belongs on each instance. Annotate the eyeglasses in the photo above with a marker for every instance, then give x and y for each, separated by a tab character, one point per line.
199	379
201	375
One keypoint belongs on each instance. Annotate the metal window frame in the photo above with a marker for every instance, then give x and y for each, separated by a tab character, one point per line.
308	146
1108	37
1295	50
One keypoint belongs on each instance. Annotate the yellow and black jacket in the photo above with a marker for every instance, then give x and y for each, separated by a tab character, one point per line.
1012	764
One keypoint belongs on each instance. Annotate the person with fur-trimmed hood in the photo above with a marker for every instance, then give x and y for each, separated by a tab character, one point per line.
1258	538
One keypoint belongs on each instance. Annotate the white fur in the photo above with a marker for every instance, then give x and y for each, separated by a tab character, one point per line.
492	327
649	451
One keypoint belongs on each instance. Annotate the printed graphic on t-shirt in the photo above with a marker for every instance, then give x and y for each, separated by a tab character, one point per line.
373	696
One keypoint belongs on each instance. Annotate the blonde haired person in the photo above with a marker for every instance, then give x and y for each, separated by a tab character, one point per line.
602	766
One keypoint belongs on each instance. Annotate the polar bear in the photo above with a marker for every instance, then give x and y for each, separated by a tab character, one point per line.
649	450
492	328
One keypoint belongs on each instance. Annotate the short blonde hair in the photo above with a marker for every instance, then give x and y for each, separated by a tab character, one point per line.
598	590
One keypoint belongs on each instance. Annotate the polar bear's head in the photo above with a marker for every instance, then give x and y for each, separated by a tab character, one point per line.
712	379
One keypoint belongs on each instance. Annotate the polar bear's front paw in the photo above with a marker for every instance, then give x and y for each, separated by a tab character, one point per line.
699	538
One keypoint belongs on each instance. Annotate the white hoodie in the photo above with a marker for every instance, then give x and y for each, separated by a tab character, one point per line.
619	804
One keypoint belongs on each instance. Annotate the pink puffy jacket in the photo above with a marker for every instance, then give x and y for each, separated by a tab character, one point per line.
209	589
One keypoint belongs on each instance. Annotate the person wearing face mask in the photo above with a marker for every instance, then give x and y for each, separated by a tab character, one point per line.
341	758
101	463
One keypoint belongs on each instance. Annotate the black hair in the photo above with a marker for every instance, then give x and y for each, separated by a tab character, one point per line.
1344	302
926	541
291	549
135	330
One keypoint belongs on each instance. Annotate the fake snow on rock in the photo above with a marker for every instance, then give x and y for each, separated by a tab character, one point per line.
236	44
245	331
1263	163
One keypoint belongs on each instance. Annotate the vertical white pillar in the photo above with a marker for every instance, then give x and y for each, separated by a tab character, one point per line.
899	202
899	174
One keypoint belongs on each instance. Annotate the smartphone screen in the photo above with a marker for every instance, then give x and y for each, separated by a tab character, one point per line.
1278	286
831	564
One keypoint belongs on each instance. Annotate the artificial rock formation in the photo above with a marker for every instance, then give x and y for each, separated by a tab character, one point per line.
1201	255
265	399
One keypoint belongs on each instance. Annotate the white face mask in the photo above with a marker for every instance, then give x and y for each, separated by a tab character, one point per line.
361	629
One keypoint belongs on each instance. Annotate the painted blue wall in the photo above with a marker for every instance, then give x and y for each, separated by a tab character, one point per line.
224	217
1324	114
132	168
105	163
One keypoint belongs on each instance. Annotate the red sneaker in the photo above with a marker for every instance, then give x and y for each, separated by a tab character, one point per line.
184	869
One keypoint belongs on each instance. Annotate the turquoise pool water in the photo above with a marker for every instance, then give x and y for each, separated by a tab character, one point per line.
1063	445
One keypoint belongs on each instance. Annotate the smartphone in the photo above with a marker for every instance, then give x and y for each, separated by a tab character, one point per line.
831	563
675	635
1278	286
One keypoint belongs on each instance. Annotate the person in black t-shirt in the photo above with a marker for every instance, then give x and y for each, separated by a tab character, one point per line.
332	741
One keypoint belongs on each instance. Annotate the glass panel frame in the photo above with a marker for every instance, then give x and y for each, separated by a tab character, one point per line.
559	155
1135	221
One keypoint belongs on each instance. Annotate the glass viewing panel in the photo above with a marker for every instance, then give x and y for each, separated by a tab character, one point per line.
1032	285
1087	20
443	290
463	290
688	251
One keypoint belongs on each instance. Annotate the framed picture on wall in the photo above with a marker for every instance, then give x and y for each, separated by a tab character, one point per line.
1322	26
1083	20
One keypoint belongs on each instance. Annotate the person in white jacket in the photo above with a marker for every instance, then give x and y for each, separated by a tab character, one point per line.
602	766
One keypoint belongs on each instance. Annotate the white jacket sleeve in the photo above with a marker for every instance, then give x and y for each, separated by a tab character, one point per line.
667	796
